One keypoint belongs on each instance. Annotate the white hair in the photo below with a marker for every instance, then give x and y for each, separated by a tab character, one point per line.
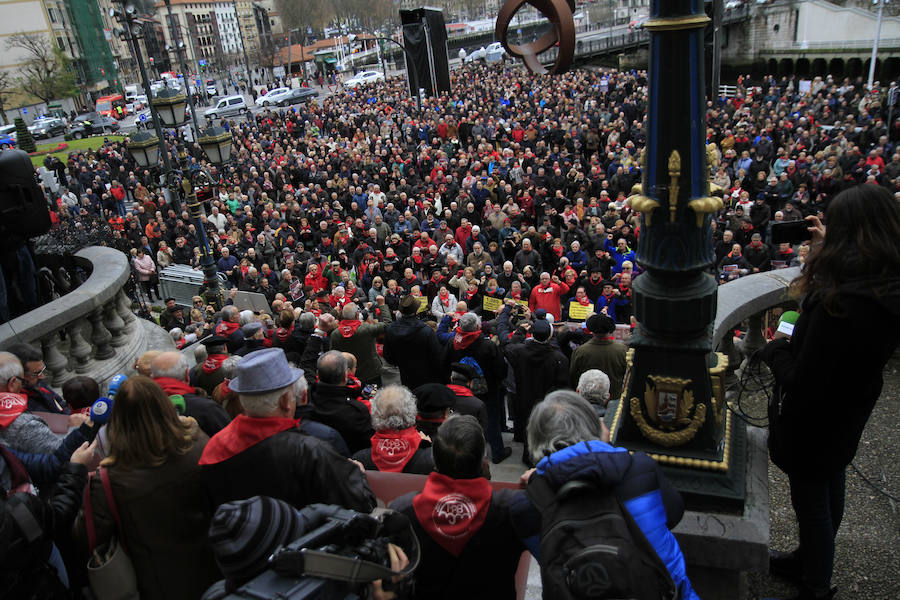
246	317
594	386
393	407
176	371
176	333
562	419
469	322
10	367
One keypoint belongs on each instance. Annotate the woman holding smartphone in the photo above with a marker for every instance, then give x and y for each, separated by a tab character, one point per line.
828	374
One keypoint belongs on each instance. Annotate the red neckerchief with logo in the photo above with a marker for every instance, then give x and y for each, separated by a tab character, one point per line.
11	406
391	450
242	433
451	511
226	328
464	339
348	327
213	362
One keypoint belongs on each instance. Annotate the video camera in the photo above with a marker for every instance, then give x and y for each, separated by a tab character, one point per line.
343	552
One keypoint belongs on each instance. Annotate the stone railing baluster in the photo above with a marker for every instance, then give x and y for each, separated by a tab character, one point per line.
79	349
100	336
114	323
57	365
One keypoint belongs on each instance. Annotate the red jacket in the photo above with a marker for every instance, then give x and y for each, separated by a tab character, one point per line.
548	298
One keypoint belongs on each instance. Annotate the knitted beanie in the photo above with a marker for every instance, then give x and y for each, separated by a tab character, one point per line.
243	534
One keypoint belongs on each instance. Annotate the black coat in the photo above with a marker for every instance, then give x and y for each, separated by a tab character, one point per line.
537	368
485	569
413	347
293	467
488	356
337	407
829	376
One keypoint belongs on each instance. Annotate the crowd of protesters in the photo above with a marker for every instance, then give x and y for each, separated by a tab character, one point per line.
450	243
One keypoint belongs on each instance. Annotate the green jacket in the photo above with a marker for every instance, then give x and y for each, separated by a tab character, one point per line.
608	356
361	344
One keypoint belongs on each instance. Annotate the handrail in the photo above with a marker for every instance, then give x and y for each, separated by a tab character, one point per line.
109	270
749	296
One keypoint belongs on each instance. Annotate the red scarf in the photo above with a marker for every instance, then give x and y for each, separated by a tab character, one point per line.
226	328
515	295
464	339
460	390
391	450
348	327
173	386
242	433
11	406
213	362
451	511
584	301
557	251
470	294
445	298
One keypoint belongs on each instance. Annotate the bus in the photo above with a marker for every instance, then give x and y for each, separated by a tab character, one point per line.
108	106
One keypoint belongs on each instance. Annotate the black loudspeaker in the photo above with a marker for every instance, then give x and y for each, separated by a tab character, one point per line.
23	208
425	36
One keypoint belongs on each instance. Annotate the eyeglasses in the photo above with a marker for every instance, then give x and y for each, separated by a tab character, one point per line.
31	373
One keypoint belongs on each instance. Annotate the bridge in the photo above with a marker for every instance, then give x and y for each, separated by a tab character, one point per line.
785	37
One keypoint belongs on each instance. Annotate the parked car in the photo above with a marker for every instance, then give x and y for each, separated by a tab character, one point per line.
47	127
364	78
8	136
272	97
298	96
228	106
92	123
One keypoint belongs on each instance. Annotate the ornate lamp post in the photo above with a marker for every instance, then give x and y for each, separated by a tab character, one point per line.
131	32
216	143
673	402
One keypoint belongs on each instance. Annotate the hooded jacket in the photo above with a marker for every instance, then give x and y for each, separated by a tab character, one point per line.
640	486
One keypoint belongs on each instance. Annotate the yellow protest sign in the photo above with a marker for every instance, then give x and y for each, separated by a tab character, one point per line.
579	312
490	304
423	303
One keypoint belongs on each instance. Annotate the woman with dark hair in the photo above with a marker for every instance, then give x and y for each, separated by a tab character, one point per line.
163	509
828	374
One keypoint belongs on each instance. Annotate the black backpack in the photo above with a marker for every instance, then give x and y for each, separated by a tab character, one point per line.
592	548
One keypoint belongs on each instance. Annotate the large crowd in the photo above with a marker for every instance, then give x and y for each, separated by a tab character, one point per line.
483	246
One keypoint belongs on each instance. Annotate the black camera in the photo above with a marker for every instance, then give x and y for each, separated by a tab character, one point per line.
343	552
792	232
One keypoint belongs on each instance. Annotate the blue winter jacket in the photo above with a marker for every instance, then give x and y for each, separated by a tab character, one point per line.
654	505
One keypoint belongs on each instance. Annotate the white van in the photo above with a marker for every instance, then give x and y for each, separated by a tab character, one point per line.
227	107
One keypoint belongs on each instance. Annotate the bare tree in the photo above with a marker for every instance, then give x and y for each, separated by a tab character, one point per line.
298	14
47	72
6	90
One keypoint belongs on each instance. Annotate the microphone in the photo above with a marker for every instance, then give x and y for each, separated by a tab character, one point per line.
101	410
787	321
114	384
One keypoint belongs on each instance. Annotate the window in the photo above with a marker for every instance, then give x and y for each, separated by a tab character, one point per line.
51	12
61	43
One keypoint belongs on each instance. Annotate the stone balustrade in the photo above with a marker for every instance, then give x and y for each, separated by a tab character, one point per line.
748	299
91	330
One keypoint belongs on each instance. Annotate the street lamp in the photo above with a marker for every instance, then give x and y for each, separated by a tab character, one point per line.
131	32
216	143
170	106
144	147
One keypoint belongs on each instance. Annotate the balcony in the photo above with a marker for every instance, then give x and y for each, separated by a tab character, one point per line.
91	330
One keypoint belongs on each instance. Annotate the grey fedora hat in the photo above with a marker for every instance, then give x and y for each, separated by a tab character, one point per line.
264	371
